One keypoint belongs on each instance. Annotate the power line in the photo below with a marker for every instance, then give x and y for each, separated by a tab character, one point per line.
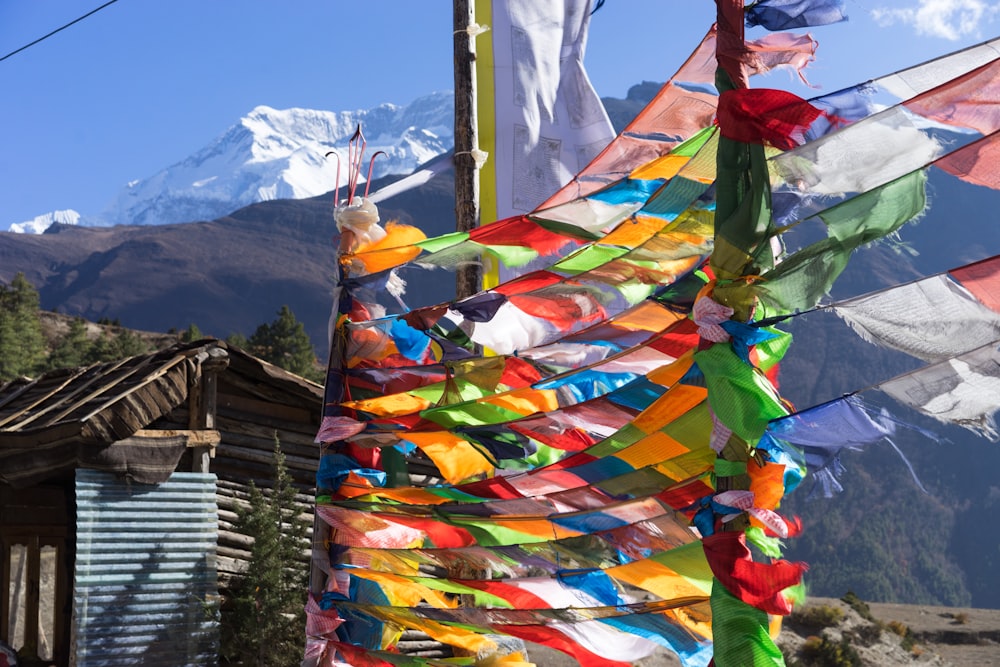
44	37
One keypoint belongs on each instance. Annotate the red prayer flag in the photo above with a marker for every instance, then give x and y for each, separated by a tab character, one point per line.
555	639
763	115
520	231
757	584
983	280
975	163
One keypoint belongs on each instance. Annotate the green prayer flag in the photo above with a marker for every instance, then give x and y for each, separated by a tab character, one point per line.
740	395
740	633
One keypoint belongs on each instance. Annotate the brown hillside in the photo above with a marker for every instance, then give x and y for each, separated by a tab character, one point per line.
226	276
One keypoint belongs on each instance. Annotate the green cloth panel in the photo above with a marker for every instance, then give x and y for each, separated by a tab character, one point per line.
469	414
743	225
634	292
395	466
451	256
511	256
802	280
740	395
693	429
482	598
770	352
674	198
543	456
743	210
489	534
589	258
769	546
627	435
460	390
878	212
725	468
693	144
441	242
688	561
740	633
642	482
692	464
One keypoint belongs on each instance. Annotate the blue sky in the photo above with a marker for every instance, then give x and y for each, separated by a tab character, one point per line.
143	83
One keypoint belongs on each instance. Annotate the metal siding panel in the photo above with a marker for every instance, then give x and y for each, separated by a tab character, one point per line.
145	571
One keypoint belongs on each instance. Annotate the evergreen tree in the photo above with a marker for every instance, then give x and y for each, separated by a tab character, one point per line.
284	342
192	333
22	346
238	340
266	624
101	350
112	347
72	349
128	343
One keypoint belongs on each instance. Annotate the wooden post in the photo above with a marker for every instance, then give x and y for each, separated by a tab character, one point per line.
202	402
729	49
33	555
469	277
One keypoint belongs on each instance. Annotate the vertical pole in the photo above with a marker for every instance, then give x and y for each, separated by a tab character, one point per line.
730	189
202	402
469	279
740	630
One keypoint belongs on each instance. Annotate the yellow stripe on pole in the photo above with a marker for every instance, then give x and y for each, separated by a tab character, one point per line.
486	119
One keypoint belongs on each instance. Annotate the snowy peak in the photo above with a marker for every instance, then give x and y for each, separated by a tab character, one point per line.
40	223
276	154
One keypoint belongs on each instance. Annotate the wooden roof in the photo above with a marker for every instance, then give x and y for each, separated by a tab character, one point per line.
94	416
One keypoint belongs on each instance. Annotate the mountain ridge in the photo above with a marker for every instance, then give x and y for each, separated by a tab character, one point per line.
280	154
273	154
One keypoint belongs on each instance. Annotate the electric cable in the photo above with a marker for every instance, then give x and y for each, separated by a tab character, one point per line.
44	37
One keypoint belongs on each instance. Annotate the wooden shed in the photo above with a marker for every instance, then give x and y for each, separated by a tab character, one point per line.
118	489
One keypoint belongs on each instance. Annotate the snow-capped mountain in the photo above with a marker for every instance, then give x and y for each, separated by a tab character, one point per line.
274	154
40	223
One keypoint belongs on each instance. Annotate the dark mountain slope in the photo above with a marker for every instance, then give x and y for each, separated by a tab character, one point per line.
226	275
883	538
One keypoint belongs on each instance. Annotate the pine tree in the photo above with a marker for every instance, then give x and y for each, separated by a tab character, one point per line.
238	340
128	343
101	349
192	333
72	349
266	624
112	347
284	342
22	346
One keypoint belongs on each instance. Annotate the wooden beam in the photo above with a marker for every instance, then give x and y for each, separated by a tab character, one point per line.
195	437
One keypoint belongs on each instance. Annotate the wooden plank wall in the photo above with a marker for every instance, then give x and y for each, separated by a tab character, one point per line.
249	426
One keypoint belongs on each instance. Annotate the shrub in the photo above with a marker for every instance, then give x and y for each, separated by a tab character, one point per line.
858	605
818	616
825	653
898	628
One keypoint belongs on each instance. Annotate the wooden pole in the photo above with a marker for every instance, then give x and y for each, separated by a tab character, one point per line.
469	278
202	403
729	50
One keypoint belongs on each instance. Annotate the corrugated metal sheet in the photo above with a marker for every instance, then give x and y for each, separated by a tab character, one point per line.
145	571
